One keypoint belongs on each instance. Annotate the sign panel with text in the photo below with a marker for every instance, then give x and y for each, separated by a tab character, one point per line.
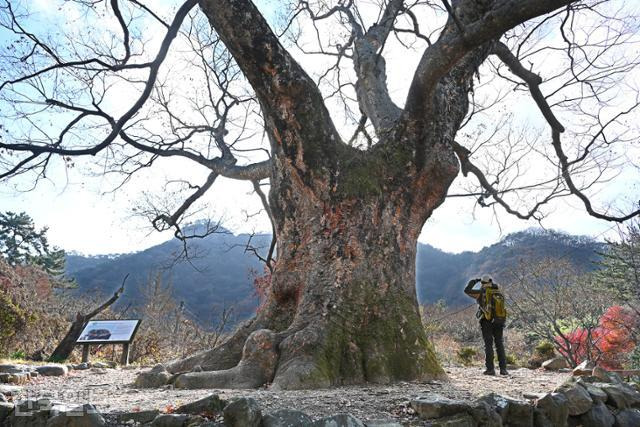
109	331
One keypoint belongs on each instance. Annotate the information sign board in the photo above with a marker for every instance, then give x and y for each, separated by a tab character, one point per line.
109	331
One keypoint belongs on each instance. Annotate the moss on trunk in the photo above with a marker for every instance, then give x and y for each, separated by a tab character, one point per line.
376	337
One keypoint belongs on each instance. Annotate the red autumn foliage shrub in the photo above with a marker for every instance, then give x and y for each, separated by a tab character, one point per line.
617	325
610	343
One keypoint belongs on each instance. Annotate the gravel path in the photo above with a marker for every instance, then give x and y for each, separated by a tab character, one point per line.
111	391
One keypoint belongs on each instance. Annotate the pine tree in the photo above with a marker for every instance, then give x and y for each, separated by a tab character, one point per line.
620	266
21	243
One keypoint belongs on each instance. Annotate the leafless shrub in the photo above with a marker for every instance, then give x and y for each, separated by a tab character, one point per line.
167	330
36	317
551	299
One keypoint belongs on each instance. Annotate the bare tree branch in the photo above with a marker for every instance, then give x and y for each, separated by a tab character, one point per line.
533	82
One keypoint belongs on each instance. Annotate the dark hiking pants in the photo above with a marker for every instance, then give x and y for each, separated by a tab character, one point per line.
493	332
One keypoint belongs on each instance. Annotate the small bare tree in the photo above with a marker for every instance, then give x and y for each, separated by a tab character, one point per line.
551	299
168	330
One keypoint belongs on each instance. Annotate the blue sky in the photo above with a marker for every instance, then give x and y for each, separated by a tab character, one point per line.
84	215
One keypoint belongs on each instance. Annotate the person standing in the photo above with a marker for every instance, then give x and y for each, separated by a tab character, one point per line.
493	315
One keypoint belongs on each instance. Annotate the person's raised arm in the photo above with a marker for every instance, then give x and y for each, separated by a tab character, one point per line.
473	293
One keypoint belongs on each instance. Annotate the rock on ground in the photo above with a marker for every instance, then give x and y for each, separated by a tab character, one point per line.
339	420
52	370
113	392
286	418
579	400
555	363
243	412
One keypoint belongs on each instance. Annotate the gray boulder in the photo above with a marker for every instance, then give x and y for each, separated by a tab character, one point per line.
520	414
34	419
208	406
17	378
540	419
81	416
382	423
243	412
81	366
555	364
484	415
513	412
178	420
435	406
615	378
52	370
497	403
627	418
13	369
551	410
621	396
585	368
171	420
5	410
286	418
140	417
338	420
578	399
601	374
104	365
29	413
598	416
596	393
460	420
10	390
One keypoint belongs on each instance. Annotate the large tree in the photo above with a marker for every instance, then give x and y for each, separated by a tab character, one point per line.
347	211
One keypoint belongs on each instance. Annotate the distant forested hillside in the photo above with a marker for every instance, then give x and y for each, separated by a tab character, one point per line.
442	275
221	273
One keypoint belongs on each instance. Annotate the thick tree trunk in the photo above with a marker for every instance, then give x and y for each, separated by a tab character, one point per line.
342	307
351	276
342	303
346	262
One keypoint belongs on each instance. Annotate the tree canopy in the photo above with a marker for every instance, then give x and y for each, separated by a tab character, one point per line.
21	243
204	91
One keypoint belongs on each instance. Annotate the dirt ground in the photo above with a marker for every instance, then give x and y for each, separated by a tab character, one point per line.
111	390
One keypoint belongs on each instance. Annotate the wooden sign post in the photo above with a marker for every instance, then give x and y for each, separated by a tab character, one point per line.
108	332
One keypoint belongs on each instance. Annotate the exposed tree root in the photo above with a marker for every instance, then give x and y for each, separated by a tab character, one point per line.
256	368
224	356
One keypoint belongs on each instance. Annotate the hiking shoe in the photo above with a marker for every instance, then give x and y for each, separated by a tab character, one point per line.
489	372
504	372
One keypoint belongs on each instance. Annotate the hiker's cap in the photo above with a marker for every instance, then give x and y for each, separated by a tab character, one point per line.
486	279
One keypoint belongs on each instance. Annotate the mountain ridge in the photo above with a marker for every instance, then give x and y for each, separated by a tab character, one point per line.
223	274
